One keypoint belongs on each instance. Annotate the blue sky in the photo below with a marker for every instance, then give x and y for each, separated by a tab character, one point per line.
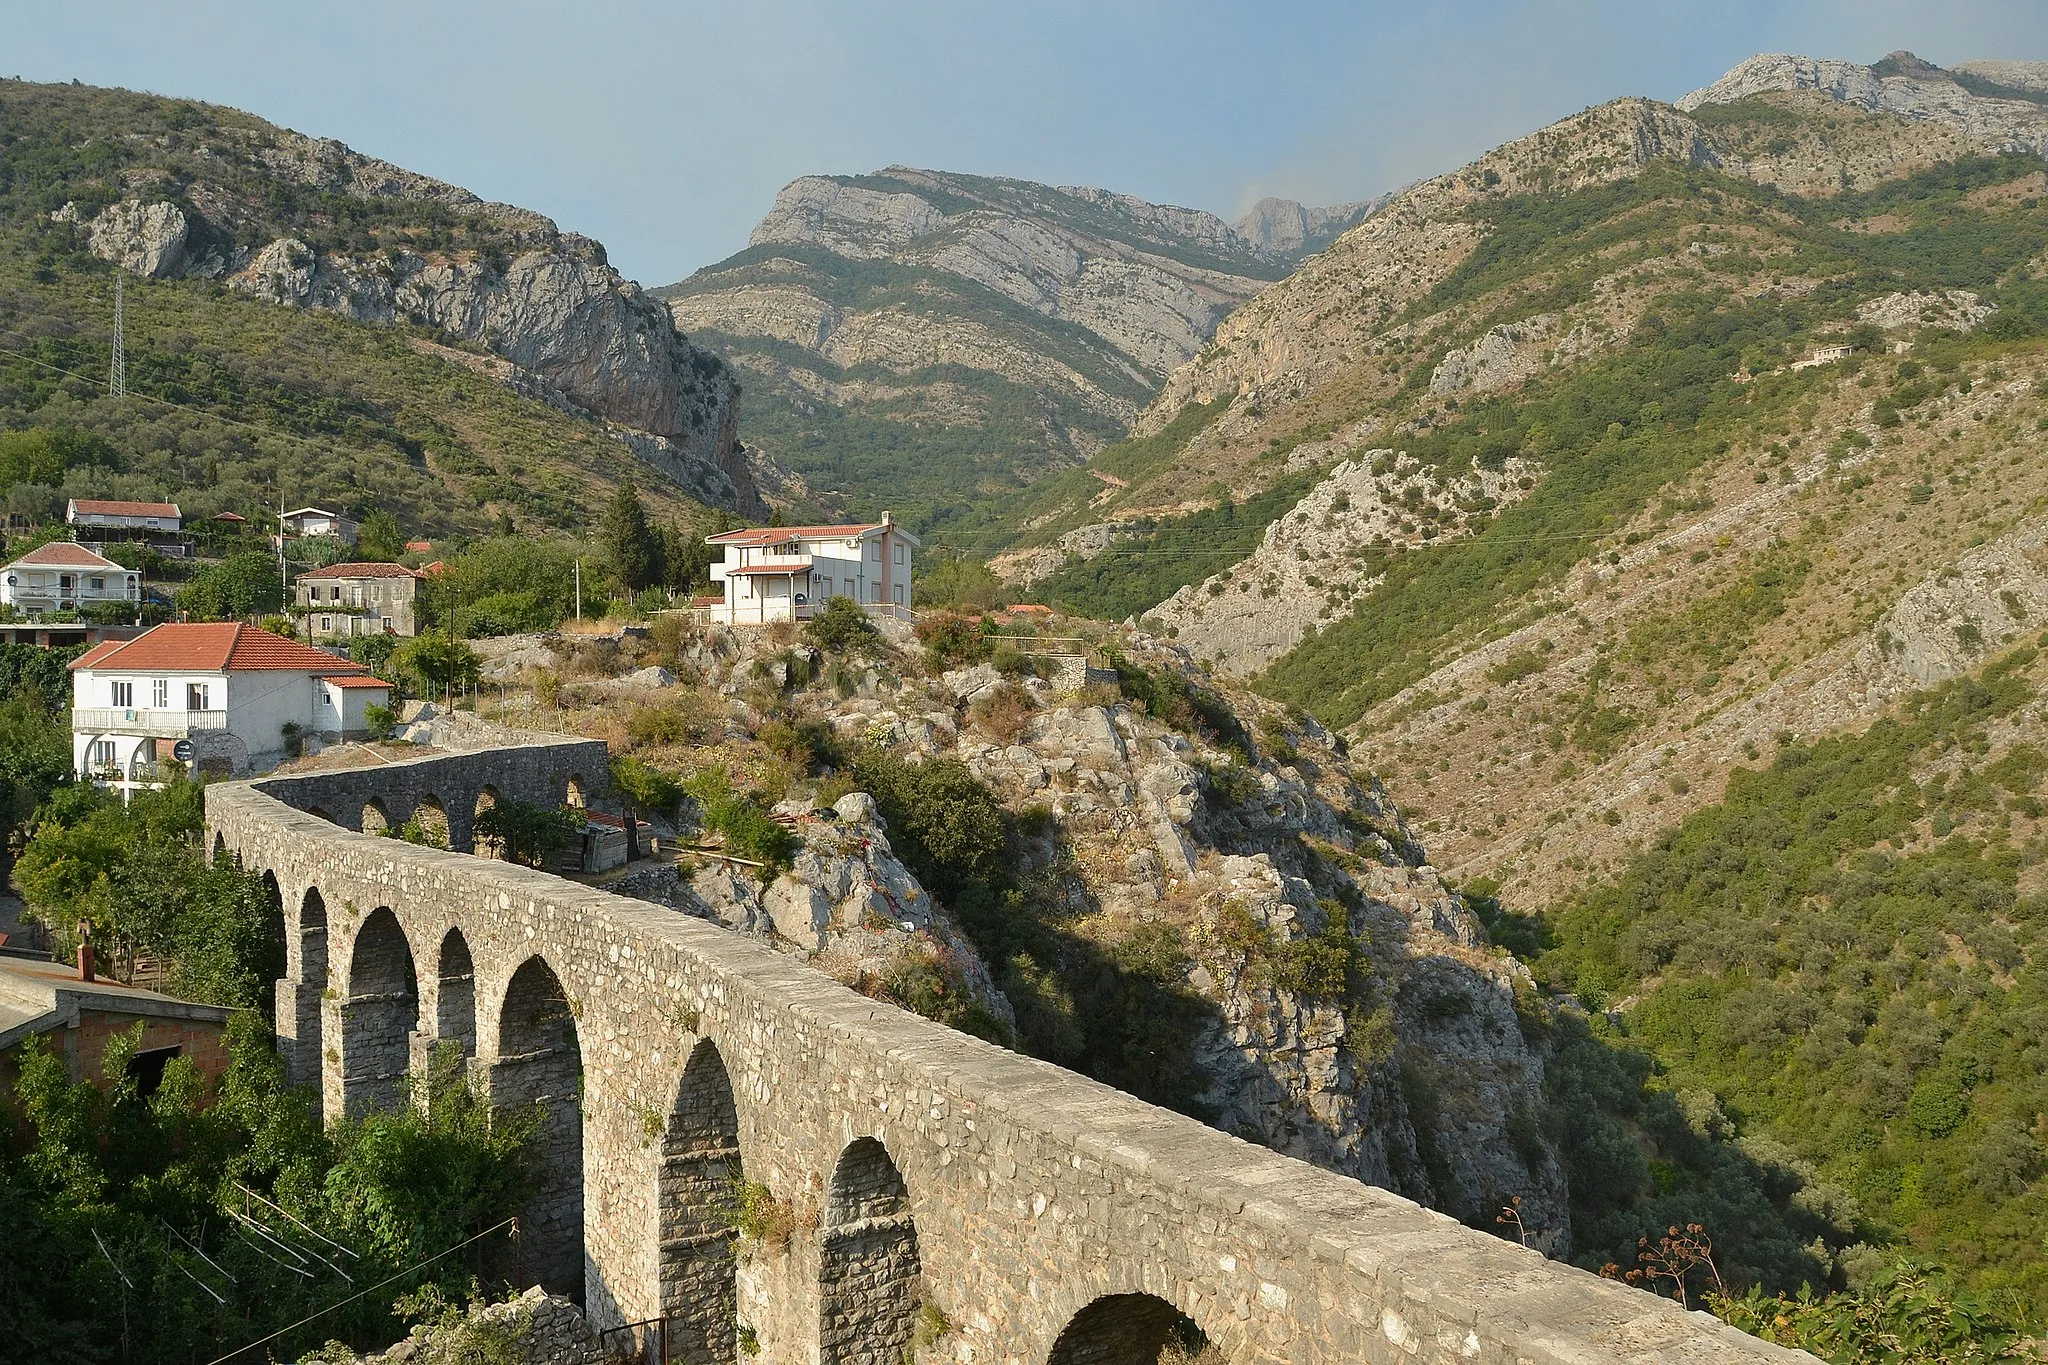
665	129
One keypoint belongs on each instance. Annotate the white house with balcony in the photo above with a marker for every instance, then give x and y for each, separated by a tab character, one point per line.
234	692
784	573
61	576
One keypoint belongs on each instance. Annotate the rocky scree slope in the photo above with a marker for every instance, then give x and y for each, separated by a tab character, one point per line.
1244	930
176	190
912	334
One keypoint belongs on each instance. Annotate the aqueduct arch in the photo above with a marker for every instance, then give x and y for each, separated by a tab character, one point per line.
1035	1204
868	1267
539	1062
700	1170
373	1019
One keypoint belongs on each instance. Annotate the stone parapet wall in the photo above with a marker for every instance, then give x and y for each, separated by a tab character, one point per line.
1032	1194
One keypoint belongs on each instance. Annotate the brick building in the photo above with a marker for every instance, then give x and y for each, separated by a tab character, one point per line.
39	998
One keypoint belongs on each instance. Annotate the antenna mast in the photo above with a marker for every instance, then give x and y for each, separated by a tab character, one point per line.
117	373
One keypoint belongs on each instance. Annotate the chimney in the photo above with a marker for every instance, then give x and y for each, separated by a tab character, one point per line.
887	518
85	950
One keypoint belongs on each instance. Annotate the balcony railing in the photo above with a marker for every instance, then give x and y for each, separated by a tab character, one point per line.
119	720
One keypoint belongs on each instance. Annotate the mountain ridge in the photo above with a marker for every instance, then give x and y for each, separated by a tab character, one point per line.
1000	327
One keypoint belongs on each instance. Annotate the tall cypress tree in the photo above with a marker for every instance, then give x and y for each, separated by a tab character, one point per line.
628	540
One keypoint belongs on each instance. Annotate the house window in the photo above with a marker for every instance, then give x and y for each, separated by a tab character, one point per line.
326	623
851	589
387	625
874	592
102	755
160	692
99	585
124	694
899	554
899	594
196	697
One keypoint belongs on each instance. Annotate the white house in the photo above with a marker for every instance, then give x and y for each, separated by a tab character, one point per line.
782	573
61	576
230	689
317	521
105	514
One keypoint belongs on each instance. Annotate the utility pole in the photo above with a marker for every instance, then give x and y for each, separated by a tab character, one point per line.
117	373
284	586
579	587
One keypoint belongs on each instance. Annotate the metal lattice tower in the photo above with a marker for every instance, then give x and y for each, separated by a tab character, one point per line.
117	373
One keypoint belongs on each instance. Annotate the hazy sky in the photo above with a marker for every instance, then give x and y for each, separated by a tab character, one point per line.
665	129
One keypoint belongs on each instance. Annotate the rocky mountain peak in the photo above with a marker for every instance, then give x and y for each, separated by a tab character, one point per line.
1286	227
1997	104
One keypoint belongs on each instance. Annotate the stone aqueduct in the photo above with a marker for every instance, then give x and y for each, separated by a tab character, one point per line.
1053	1221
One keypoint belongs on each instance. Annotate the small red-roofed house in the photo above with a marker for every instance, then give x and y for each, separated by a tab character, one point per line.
61	576
227	690
784	573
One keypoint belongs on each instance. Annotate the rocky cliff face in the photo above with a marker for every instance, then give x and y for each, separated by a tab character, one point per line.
546	301
1283	227
1014	326
1406	1065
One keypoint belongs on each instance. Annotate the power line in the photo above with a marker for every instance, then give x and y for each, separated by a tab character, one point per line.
321	1313
210	416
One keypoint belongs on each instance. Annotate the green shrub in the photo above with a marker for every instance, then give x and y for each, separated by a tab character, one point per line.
952	641
841	627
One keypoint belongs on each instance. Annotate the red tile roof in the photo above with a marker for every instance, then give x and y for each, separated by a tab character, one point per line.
418	547
229	516
96	653
355	680
63	554
775	535
360	570
214	647
104	507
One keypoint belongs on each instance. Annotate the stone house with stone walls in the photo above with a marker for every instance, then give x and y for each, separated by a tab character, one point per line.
342	601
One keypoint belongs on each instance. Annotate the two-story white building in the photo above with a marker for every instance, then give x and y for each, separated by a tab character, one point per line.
229	689
783	573
61	576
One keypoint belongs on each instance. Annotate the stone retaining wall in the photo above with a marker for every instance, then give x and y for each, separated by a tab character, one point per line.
1050	1218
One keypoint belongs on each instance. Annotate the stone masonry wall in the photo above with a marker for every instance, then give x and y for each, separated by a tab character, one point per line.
1032	1193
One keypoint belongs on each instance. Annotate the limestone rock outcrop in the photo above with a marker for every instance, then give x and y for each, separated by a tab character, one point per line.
1900	84
1414	1067
546	301
1320	555
1285	227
